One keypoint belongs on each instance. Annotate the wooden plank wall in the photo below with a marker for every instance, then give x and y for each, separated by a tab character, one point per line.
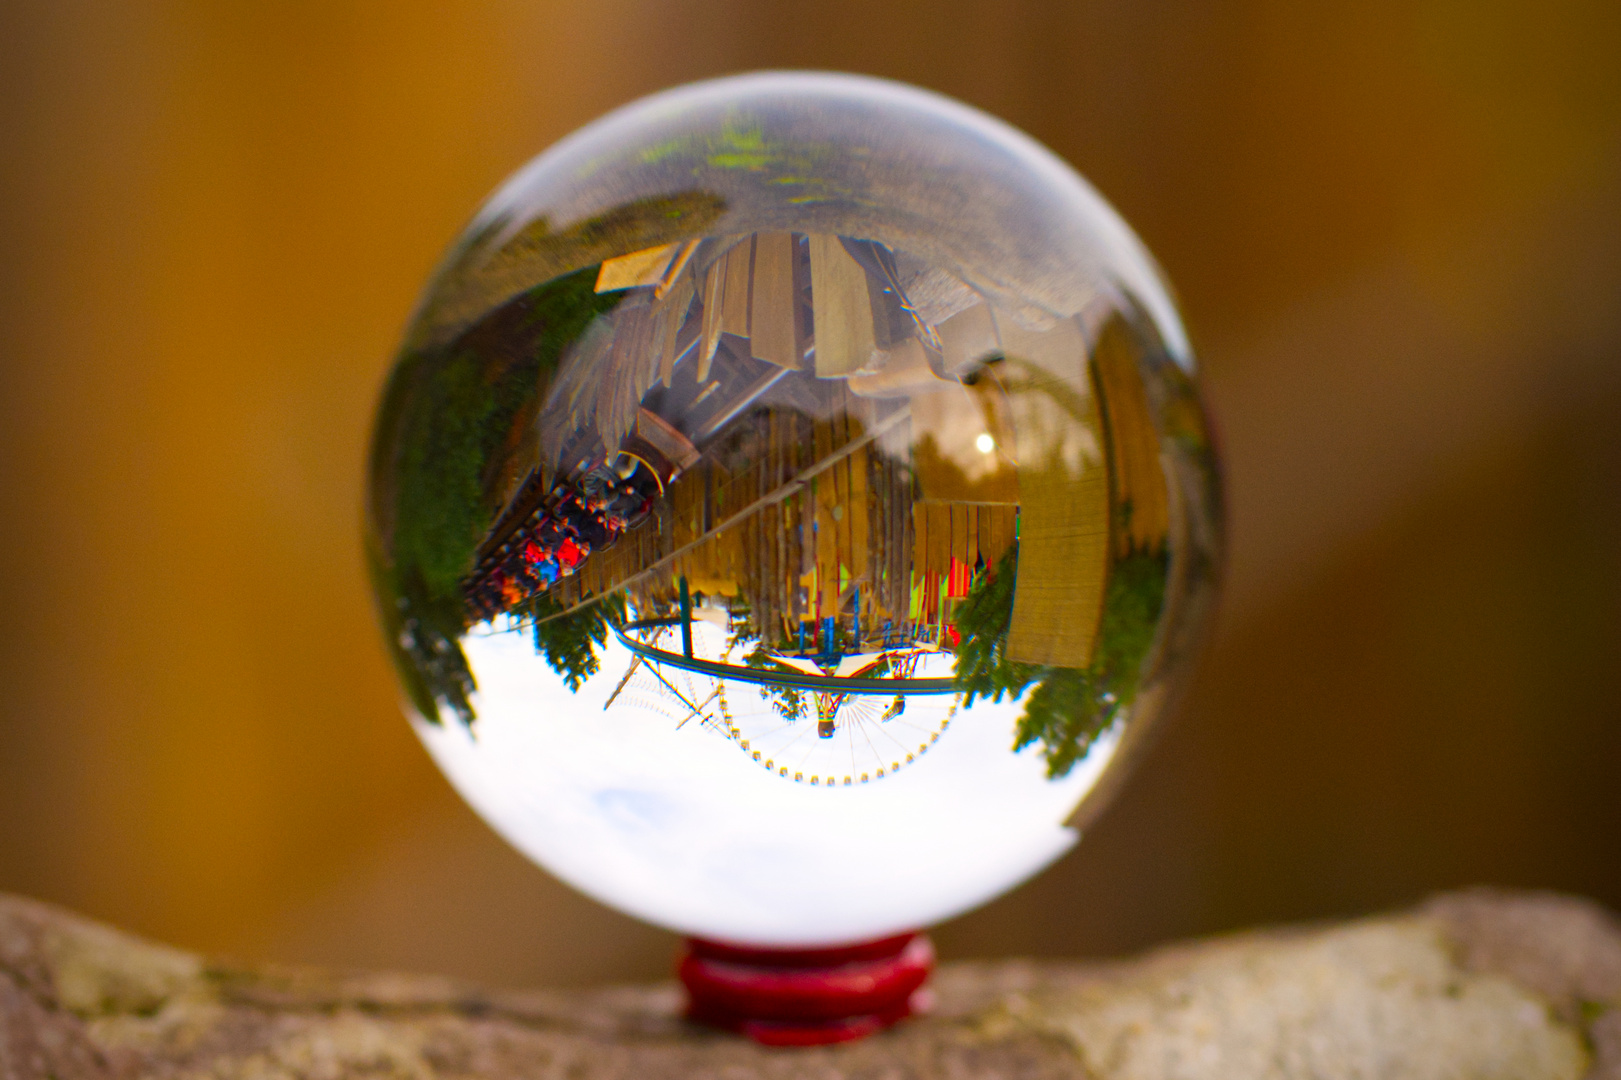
797	559
855	524
1137	479
947	533
800	558
1064	503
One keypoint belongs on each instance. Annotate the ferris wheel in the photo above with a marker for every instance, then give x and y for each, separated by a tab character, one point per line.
824	721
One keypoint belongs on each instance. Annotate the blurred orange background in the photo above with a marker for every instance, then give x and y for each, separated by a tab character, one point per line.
1396	233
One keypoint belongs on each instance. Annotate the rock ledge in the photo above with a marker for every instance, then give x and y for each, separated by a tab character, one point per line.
1471	984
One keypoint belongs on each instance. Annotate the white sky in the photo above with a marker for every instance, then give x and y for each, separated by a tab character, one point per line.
681	828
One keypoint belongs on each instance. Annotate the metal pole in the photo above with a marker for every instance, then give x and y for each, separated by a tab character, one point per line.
686	618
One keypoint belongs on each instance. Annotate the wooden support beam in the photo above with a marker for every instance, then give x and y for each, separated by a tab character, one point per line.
773	305
842	307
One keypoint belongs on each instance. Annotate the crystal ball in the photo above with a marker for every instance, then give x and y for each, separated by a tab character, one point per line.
790	505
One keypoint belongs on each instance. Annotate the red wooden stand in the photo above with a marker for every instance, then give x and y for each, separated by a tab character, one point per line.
806	997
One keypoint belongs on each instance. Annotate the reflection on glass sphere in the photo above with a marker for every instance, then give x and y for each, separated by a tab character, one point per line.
790	503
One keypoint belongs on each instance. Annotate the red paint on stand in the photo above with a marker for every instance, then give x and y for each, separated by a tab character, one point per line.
806	997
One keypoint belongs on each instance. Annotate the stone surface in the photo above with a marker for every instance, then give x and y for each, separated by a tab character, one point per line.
1474	984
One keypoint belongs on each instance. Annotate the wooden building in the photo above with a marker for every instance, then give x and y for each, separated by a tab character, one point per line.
809	385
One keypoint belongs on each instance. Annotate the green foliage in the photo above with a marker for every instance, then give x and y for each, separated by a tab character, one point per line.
449	414
789	701
431	626
569	642
1131	608
440	512
983	618
1065	713
401	638
490	266
1069	707
462	408
560	311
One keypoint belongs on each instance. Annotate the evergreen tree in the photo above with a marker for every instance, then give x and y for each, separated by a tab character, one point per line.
983	619
1069	707
570	641
789	701
447	414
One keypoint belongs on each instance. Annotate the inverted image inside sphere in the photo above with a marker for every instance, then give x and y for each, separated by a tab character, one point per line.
791	501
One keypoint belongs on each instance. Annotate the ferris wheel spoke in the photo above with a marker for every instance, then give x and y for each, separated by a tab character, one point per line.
797	737
837	734
654	668
879	757
909	726
891	737
697	710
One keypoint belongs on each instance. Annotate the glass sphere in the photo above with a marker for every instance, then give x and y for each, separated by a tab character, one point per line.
790	504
